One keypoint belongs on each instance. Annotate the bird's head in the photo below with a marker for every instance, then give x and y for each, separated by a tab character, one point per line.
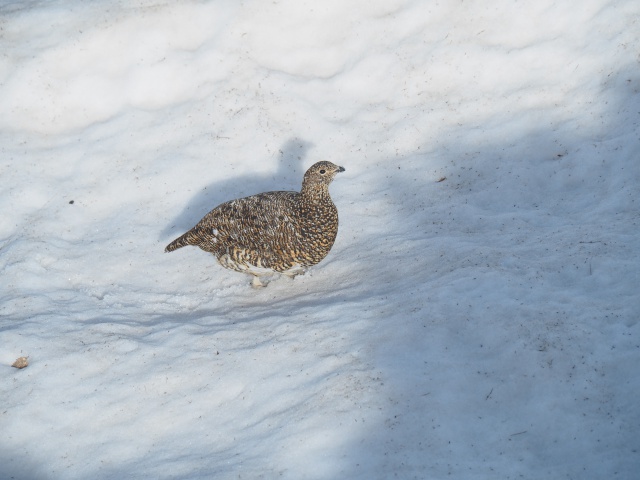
321	173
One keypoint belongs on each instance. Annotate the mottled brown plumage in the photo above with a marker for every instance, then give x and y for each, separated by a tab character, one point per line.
272	232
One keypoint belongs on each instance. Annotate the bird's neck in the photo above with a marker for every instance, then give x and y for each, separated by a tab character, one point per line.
313	190
315	202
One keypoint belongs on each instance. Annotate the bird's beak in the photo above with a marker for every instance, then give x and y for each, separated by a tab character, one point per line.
340	169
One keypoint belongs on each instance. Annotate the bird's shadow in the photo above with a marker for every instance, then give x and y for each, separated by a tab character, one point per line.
290	162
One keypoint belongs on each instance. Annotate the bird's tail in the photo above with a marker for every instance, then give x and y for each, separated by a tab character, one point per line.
189	238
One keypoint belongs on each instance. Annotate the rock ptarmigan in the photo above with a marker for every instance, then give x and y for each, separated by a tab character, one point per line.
272	232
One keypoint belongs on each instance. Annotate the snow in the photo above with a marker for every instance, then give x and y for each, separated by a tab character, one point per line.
477	317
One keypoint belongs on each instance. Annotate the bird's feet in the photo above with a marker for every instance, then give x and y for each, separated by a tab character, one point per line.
258	282
294	272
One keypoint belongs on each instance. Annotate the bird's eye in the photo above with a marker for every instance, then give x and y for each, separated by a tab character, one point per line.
322	172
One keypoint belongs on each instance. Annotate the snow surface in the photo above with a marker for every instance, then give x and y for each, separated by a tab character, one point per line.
477	317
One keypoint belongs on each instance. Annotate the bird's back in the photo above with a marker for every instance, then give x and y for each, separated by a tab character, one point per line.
259	230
